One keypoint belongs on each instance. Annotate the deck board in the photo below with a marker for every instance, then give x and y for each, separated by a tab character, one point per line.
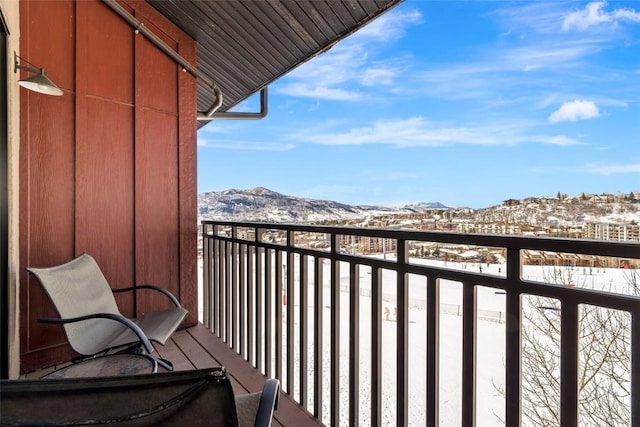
171	351
289	412
186	353
199	357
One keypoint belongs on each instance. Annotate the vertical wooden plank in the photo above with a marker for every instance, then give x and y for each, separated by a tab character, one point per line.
161	71
46	222
187	181
107	76
156	206
161	86
105	213
104	148
156	183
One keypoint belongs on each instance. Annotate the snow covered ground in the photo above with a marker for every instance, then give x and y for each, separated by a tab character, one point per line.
490	343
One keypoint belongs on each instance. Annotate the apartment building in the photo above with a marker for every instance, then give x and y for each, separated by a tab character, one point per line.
489	228
612	231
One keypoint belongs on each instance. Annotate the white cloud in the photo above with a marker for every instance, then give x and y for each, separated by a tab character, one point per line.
547	55
333	67
331	76
243	145
575	110
378	76
594	14
614	169
560	140
420	132
390	26
319	92
526	68
341	73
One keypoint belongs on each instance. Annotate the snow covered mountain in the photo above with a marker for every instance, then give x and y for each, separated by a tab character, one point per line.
263	205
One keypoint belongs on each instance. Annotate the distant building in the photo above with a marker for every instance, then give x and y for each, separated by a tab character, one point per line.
374	245
492	228
612	231
369	245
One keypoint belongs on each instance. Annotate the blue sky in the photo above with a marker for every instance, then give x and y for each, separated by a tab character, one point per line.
467	103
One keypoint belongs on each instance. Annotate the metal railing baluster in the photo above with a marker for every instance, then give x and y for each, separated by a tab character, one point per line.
569	364
335	335
402	302
268	310
304	329
354	344
290	300
433	356
469	334
376	347
241	318
278	320
318	342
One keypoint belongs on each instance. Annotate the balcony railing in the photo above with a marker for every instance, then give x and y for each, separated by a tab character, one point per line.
357	322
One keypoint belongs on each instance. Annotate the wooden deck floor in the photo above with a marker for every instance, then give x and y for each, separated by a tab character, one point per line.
197	348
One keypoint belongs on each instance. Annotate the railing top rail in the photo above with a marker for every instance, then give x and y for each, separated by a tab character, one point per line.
552	244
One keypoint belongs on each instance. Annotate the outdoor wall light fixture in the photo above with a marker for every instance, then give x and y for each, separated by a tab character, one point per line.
38	83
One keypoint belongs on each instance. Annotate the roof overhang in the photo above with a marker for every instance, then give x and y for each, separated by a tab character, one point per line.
244	45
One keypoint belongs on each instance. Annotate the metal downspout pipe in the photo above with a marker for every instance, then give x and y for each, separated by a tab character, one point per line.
211	113
230	115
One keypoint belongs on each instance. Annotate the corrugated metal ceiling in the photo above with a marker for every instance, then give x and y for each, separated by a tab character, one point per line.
246	44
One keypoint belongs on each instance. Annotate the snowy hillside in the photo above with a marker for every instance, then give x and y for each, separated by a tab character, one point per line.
565	212
261	204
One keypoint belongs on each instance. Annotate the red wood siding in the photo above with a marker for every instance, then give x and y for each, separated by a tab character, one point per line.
109	167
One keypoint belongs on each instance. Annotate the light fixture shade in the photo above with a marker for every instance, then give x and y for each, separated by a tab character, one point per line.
41	83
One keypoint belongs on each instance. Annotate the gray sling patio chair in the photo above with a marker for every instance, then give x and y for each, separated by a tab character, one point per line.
186	398
89	314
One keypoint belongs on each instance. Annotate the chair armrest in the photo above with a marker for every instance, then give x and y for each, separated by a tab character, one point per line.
168	294
268	403
118	318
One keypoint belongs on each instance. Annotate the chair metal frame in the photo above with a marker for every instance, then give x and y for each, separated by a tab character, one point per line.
201	397
53	278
